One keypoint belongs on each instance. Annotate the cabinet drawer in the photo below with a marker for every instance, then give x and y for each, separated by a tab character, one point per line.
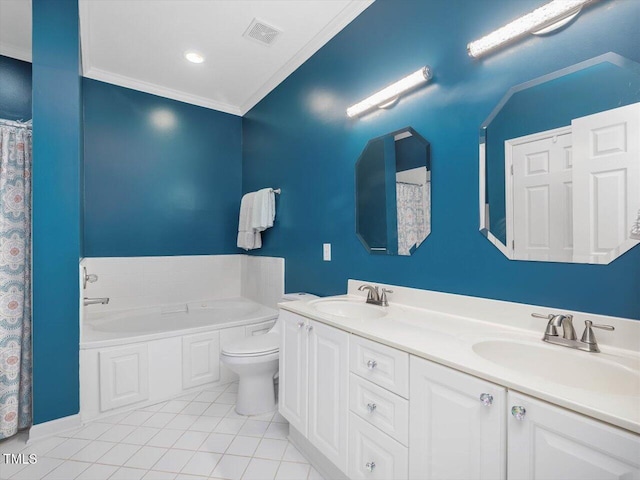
374	455
382	365
380	407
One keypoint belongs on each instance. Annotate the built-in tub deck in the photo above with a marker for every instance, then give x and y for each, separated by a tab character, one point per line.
132	358
110	328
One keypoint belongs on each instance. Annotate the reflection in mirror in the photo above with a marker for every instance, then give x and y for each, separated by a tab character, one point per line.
560	165
393	193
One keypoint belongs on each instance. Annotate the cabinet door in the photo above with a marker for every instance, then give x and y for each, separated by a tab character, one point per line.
200	359
551	443
293	383
329	392
124	376
452	433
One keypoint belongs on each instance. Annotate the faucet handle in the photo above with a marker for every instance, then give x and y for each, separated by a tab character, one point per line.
551	330
540	315
383	297
588	335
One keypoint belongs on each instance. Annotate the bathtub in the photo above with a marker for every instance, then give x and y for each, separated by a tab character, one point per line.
133	358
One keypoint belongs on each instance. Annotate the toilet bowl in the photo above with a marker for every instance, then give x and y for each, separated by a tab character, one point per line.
255	361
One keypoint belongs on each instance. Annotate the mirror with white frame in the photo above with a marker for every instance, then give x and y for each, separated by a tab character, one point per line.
393	193
560	165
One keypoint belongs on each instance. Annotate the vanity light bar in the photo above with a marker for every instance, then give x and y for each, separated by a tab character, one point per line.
392	92
546	16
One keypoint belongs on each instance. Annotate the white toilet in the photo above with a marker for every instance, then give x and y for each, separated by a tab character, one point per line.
255	361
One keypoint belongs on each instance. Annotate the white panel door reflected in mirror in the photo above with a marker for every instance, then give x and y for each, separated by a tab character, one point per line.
543	220
569	192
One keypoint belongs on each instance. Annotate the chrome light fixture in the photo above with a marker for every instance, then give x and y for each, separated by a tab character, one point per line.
387	96
545	19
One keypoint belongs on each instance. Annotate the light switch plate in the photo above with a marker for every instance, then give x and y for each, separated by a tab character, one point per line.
326	252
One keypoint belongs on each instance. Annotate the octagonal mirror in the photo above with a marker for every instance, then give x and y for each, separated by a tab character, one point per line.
560	165
393	193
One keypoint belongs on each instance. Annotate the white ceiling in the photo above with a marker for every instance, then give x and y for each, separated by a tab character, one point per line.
15	29
140	44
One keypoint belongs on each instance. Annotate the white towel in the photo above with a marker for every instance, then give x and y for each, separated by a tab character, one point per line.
264	210
248	238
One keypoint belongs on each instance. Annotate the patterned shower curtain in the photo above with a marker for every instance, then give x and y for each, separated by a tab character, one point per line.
412	216
15	277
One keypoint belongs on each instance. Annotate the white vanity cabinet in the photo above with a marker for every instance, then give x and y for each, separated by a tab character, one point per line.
314	384
550	443
457	424
377	412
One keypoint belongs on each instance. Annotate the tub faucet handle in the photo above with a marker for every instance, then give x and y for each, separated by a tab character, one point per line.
88	278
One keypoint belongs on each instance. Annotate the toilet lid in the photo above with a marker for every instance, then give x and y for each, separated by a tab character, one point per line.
252	346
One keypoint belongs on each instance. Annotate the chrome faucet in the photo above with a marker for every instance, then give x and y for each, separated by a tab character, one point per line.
95	301
588	341
375	297
564	321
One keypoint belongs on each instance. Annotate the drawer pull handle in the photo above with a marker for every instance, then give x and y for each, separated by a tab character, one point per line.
371	407
309	328
370	466
518	412
300	324
371	364
486	399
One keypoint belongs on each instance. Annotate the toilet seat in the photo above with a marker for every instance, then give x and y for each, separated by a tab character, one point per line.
256	346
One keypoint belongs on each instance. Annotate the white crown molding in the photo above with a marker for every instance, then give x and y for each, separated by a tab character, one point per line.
128	82
132	83
340	21
15	52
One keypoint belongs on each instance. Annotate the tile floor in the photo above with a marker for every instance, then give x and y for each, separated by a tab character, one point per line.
196	437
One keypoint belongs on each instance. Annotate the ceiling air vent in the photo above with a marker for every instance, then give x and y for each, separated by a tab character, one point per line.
261	32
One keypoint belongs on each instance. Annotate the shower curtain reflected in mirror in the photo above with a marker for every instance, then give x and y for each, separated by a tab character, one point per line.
15	277
413	215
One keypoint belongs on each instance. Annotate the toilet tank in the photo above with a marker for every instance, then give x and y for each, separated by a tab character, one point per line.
292	297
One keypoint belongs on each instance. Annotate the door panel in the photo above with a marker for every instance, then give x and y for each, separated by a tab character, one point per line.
293	384
551	443
452	434
607	177
329	391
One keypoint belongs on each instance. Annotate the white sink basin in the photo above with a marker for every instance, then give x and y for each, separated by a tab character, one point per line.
561	366
348	309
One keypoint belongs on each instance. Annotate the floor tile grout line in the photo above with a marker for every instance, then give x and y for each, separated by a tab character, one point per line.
260	437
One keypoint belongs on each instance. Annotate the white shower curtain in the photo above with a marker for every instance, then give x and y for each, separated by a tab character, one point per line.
15	277
412	216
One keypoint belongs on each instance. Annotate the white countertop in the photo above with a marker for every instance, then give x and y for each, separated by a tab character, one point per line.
447	339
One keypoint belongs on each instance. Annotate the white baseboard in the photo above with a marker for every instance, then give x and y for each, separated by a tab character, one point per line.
54	427
321	463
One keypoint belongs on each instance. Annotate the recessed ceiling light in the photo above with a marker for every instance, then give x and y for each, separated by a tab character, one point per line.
194	57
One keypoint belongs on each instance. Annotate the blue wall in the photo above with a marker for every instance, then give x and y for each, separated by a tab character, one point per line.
57	158
161	177
15	89
299	138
